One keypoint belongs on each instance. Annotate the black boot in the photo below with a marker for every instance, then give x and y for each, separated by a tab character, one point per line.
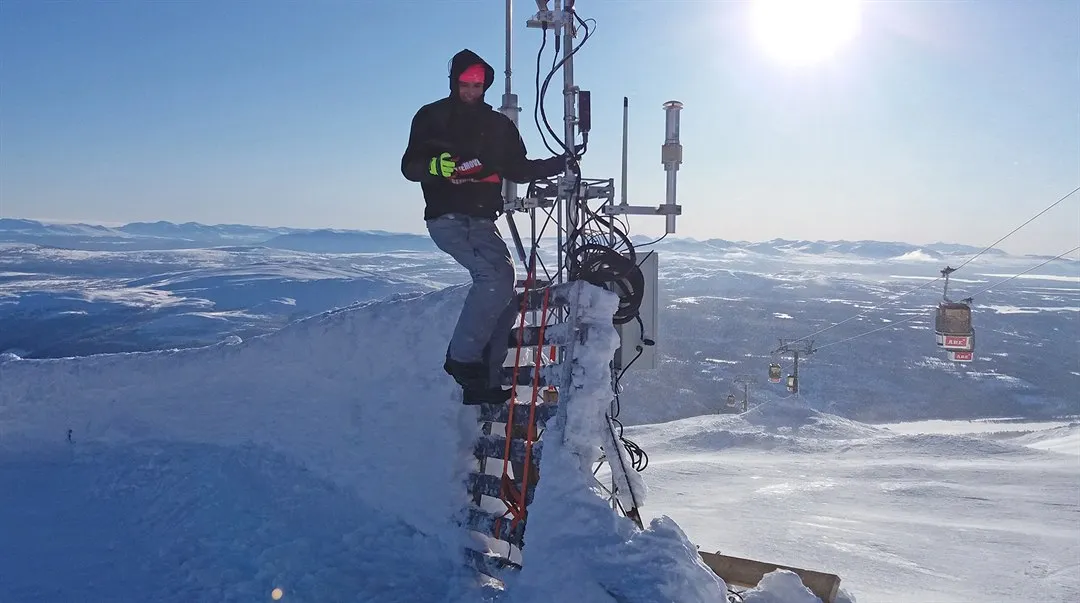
485	395
467	374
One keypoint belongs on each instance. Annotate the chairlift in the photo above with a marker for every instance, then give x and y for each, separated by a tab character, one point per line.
952	325
774	373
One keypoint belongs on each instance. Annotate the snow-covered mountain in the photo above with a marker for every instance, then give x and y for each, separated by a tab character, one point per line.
170	235
724	306
194	231
862	249
351	241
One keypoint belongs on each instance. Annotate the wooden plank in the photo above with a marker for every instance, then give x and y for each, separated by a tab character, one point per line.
747	572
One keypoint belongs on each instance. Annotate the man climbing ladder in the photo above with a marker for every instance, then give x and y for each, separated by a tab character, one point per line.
459	150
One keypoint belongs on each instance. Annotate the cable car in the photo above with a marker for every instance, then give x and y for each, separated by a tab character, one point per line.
793	384
774	373
731	401
952	325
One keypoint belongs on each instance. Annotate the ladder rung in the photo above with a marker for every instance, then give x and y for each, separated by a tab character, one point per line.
485	523
488	564
558	295
525	375
554	334
492	413
491	485
494	446
536	284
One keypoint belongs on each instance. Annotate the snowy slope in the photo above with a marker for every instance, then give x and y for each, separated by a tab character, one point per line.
325	459
947	511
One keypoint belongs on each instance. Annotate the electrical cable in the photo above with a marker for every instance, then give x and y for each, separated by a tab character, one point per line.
998	284
604	259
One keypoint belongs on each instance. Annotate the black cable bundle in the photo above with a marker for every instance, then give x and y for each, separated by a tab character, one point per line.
600	251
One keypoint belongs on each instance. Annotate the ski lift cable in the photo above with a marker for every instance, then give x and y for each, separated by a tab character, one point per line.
865	312
1013	231
928	283
1077	248
888	326
900	322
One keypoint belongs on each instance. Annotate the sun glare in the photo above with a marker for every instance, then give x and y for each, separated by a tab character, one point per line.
801	32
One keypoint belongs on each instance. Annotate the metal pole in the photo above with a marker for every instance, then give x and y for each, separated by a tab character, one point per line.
509	99
795	389
569	117
625	143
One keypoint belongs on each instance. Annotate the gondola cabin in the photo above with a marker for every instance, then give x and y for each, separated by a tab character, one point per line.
774	373
952	328
793	384
731	402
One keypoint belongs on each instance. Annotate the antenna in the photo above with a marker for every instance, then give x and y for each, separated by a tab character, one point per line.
671	157
509	99
570	194
625	142
591	242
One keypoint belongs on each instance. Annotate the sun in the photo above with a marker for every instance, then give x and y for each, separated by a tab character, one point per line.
801	32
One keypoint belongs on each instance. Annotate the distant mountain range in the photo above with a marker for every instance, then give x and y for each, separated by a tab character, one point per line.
169	235
868	249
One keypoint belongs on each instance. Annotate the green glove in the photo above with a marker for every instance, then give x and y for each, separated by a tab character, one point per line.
442	166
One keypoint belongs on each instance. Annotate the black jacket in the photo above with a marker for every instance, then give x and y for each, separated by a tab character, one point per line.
469	132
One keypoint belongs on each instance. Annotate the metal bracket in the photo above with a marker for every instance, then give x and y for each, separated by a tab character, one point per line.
643	210
550	18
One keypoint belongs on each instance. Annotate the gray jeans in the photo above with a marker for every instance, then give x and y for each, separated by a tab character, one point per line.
483	328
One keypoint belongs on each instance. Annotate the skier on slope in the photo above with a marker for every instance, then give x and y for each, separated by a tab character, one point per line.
459	150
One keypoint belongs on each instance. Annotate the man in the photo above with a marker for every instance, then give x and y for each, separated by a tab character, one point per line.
460	150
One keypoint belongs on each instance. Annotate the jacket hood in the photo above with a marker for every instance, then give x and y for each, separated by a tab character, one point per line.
461	61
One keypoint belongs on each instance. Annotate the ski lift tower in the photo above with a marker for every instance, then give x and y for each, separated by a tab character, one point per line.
788	348
746	381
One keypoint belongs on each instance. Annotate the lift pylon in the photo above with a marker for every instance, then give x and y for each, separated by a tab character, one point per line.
796	349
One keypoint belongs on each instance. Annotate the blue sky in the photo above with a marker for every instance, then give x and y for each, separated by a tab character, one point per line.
952	121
